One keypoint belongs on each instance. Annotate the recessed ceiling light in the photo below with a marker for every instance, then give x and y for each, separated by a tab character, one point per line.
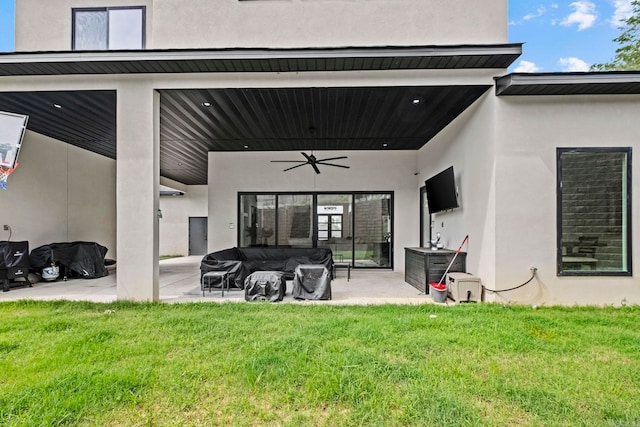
206	104
385	144
246	147
416	101
58	106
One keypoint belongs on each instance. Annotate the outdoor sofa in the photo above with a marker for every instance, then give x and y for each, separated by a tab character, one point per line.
241	262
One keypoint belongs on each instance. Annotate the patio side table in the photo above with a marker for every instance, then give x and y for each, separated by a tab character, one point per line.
346	265
211	277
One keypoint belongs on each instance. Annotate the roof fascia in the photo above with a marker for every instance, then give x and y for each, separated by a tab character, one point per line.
20	63
509	84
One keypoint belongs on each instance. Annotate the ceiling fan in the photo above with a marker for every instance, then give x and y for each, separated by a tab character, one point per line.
313	161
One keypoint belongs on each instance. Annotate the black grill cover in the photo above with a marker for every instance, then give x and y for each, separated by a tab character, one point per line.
14	254
79	259
312	281
265	286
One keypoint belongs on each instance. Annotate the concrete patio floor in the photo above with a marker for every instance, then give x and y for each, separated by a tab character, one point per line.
179	282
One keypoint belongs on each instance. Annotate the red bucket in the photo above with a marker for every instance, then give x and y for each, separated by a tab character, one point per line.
438	291
439	286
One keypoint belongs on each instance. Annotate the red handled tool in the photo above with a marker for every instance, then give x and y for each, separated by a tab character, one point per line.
454	258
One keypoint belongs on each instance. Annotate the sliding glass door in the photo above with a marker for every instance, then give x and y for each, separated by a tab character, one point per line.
334	225
295	220
372	215
357	227
257	222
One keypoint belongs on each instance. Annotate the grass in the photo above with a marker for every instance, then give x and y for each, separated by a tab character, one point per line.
163	257
123	364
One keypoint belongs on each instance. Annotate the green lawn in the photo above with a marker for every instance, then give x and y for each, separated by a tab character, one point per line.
163	257
124	364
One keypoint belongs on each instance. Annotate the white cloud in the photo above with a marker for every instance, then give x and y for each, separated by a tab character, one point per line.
541	10
526	67
622	11
573	64
584	15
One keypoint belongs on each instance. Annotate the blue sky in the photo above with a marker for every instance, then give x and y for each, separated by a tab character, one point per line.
558	35
565	35
6	25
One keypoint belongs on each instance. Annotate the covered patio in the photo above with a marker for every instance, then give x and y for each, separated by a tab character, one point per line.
179	283
206	117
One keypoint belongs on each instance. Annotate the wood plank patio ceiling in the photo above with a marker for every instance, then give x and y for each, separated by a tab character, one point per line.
261	119
284	119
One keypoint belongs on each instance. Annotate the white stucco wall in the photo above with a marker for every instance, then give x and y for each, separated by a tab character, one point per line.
468	144
174	225
277	23
230	173
530	130
60	193
504	153
313	23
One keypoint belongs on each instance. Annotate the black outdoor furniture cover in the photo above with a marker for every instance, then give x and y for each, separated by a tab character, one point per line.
265	286
78	259
14	262
312	282
14	254
241	262
226	260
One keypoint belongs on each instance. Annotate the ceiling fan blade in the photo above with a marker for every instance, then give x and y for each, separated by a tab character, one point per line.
333	158
293	167
315	168
310	158
333	164
288	161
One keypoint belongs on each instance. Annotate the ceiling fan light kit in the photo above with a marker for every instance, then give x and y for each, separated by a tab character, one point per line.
313	161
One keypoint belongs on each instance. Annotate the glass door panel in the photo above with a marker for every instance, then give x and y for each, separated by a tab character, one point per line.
372	237
295	221
323	227
257	220
336	226
334	216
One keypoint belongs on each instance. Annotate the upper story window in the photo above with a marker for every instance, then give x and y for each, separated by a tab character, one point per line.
108	28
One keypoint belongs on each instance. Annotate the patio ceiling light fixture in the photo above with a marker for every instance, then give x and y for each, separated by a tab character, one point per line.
206	104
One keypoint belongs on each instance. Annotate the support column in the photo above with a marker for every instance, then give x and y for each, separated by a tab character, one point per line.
137	183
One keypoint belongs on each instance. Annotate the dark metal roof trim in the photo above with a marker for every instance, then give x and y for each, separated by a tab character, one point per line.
587	83
259	60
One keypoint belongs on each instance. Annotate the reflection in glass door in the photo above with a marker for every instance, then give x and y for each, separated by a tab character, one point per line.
295	221
334	216
372	237
257	221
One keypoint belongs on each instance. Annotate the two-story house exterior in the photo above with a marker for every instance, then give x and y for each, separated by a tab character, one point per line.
203	96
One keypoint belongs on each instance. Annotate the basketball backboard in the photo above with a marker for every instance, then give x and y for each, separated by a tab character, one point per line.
12	128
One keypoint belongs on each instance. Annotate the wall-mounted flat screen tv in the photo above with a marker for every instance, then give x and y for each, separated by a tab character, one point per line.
441	191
